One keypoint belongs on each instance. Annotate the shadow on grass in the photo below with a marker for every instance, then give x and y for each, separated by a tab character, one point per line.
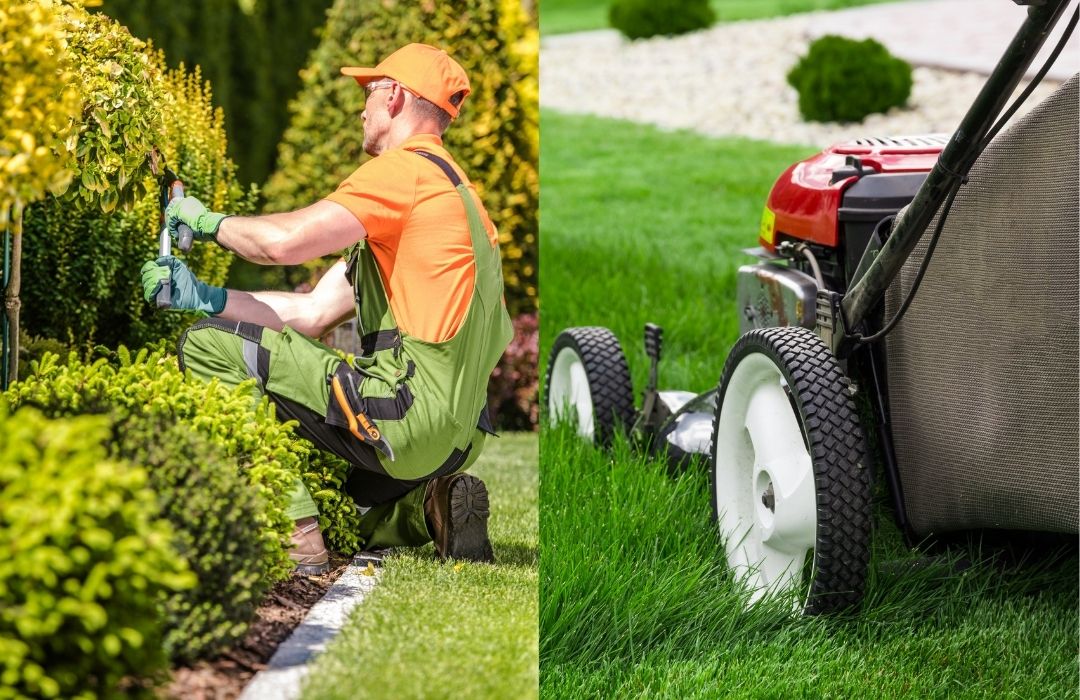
516	553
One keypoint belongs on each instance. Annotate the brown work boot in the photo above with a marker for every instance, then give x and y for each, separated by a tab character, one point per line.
456	509
308	549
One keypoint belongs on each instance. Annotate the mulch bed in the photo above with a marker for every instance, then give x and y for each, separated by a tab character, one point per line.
284	607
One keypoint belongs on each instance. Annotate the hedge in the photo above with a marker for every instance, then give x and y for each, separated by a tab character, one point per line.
495	139
84	562
252	53
83	249
215	516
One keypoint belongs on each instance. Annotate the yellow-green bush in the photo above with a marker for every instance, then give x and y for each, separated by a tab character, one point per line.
84	561
495	139
83	250
37	103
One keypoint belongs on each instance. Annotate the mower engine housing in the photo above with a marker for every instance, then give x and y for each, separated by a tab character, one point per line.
832	202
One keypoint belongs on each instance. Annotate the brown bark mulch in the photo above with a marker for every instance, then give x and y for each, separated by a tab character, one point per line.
284	607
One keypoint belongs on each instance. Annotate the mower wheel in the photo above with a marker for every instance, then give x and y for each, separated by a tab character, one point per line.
790	483
588	381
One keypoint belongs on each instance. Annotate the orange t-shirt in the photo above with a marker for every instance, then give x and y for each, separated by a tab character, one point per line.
419	235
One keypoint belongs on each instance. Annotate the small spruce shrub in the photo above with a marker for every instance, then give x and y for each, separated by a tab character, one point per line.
84	563
215	519
638	19
843	80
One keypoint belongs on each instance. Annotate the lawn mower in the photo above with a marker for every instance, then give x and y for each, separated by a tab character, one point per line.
971	403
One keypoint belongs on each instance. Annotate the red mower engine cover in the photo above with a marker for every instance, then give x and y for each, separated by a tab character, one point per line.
806	202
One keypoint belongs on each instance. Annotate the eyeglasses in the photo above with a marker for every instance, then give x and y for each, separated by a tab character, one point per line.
378	85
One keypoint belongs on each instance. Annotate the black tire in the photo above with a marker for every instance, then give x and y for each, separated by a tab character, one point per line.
820	396
609	385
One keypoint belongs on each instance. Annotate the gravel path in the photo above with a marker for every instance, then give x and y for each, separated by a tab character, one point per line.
731	81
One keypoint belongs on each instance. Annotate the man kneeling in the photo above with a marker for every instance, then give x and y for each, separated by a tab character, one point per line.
424	278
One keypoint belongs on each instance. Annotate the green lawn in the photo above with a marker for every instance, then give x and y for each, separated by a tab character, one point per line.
435	630
562	16
643	225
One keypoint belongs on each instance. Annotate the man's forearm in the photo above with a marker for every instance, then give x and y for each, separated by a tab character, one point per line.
258	239
276	310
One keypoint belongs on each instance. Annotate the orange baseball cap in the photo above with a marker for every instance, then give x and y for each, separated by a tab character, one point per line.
425	70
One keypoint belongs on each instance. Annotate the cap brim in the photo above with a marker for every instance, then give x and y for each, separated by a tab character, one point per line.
362	75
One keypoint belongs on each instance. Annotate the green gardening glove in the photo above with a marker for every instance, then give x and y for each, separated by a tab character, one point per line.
188	210
188	293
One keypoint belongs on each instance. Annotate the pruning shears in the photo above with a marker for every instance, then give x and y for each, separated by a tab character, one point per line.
170	187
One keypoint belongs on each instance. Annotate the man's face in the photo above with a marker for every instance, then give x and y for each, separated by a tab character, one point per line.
376	116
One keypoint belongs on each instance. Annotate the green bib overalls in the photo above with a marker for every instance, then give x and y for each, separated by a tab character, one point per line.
406	411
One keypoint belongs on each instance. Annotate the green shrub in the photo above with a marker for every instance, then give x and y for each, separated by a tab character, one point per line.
251	51
495	139
844	80
151	382
83	250
267	451
84	562
638	19
215	517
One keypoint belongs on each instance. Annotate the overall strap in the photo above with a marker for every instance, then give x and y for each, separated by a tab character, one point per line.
487	257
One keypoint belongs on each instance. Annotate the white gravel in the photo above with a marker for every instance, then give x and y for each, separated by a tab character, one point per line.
730	80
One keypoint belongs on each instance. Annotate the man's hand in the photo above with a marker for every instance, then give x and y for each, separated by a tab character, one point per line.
188	293
188	210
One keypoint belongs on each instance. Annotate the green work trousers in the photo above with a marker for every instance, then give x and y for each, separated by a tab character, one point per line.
391	510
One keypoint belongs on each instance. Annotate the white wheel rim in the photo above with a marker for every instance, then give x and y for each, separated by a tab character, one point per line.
569	397
759	444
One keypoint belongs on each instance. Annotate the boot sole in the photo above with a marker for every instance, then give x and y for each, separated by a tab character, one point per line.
311	569
469	511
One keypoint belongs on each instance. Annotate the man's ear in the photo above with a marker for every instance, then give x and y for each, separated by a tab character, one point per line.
395	103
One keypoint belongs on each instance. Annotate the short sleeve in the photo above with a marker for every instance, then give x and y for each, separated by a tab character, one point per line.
380	194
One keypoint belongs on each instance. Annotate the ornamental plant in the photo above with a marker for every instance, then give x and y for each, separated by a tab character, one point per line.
38	105
84	563
495	139
843	80
97	252
216	519
639	19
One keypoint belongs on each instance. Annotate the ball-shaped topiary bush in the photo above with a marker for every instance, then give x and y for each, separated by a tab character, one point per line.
84	563
844	80
638	19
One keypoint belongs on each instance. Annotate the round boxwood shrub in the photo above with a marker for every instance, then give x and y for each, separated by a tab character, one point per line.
844	80
84	563
638	19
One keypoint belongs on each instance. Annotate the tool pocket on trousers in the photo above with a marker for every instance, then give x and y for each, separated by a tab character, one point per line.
347	408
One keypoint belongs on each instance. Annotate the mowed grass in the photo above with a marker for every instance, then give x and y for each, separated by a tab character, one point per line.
640	225
441	630
562	16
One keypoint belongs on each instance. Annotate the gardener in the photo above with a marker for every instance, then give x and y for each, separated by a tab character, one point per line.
424	278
